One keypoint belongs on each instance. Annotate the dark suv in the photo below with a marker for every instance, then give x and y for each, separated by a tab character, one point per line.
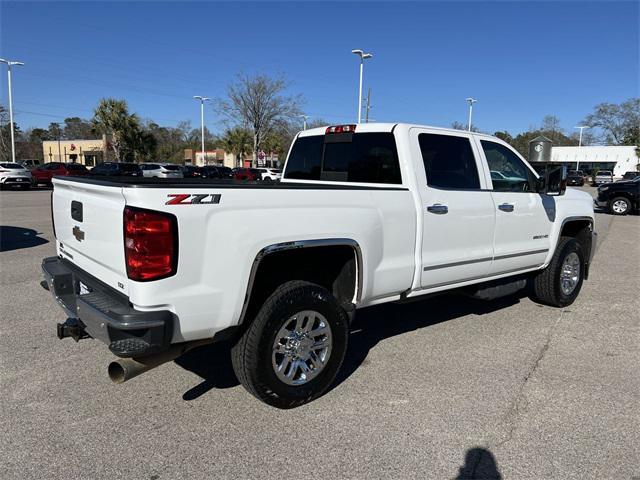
117	169
620	198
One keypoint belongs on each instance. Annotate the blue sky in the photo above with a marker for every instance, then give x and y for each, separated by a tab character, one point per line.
521	60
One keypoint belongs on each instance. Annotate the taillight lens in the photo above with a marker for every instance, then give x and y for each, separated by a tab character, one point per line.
150	244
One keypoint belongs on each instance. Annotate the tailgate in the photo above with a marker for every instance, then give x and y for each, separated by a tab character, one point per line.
88	222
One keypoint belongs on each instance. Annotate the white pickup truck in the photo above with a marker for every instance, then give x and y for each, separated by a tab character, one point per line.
365	214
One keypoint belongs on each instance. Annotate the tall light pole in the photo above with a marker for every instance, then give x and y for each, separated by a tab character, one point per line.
363	56
470	101
11	63
202	100
304	121
581	127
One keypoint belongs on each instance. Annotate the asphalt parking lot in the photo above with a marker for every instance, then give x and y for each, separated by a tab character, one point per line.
443	388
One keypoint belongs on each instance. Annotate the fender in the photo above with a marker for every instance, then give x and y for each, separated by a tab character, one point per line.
592	246
298	244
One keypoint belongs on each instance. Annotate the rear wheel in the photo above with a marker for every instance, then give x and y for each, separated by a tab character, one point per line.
619	206
559	284
294	348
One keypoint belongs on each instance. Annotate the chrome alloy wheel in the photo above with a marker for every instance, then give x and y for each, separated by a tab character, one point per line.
619	206
302	348
570	273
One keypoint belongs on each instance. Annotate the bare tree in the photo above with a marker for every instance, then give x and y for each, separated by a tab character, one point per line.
259	103
615	121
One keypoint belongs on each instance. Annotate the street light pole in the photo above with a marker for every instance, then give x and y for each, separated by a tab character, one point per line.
470	101
304	121
202	100
363	56
13	141
581	127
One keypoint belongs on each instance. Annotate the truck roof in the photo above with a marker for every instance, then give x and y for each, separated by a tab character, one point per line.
384	127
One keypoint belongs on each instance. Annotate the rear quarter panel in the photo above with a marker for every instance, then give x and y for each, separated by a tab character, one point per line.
219	242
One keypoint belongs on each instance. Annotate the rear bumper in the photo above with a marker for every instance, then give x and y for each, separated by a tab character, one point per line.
17	180
105	314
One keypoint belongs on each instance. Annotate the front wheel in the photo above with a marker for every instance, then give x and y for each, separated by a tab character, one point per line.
620	206
559	284
294	348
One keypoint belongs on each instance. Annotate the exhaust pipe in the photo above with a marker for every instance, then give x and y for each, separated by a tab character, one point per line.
124	369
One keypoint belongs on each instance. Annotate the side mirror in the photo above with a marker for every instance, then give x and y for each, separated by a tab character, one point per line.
555	180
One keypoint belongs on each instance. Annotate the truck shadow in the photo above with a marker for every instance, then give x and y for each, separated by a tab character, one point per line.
479	463
378	323
213	362
15	238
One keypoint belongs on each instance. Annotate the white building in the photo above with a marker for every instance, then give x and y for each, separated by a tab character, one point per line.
619	159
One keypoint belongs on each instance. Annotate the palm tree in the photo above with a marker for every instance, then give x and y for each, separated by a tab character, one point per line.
112	117
238	141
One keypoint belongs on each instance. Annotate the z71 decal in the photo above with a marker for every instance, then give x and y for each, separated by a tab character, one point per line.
193	199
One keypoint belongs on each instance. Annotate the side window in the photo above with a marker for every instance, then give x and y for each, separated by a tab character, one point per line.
449	162
508	171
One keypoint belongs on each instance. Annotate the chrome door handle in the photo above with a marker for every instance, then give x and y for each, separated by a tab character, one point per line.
438	209
506	207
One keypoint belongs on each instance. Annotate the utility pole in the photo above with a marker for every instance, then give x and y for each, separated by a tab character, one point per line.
470	101
202	100
363	56
366	115
11	63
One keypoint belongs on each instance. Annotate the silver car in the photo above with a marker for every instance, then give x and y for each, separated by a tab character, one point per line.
161	170
14	175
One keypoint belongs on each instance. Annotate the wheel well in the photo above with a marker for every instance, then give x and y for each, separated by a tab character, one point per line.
334	267
581	231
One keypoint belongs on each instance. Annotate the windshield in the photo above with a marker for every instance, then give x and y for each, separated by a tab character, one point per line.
14	166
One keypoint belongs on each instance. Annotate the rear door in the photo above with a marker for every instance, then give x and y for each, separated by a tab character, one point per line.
523	217
88	222
457	210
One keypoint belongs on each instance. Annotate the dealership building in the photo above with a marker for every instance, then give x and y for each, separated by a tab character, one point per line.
617	158
85	152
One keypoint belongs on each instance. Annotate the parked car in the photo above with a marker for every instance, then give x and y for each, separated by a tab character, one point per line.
270	174
30	164
217	171
602	176
161	170
620	198
191	171
575	178
630	175
364	214
117	169
44	174
14	175
247	174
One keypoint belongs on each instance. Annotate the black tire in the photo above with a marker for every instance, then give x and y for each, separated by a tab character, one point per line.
621	204
251	356
546	285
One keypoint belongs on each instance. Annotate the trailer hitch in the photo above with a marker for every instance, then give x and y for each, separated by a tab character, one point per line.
73	328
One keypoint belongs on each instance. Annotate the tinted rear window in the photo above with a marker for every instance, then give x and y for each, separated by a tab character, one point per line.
449	162
367	158
171	167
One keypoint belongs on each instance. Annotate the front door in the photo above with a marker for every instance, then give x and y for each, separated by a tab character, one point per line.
523	217
458	213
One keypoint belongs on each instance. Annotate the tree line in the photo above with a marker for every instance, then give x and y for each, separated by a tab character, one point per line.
258	115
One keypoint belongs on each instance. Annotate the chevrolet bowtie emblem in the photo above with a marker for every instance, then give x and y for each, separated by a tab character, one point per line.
79	234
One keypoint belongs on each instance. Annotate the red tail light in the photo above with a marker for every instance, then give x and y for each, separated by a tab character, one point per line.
150	244
340	129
